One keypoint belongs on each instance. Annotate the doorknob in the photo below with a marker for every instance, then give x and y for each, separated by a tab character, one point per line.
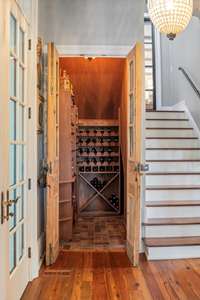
142	168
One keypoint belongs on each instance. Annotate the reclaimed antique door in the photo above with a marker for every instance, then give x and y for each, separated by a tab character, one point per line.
52	202
134	69
14	156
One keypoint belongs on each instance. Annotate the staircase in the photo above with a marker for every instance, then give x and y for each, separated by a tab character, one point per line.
171	227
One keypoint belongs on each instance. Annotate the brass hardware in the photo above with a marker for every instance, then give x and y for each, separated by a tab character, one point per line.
2	207
7	203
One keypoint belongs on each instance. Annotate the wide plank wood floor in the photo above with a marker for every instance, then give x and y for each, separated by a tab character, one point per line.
107	274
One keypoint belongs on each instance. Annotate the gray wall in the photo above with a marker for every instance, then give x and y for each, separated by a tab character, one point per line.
184	51
91	22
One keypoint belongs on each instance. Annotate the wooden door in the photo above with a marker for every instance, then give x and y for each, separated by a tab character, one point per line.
52	205
134	77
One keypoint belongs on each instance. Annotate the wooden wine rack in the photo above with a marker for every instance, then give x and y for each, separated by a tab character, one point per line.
98	167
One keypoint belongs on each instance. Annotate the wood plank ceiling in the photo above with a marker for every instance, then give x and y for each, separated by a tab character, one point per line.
97	85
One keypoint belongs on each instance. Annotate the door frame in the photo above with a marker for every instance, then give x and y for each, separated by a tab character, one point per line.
114	52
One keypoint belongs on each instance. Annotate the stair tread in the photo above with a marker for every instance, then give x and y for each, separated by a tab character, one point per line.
172	187
172	173
176	149
169	128
164	119
172	203
173	160
172	221
172	138
172	241
167	111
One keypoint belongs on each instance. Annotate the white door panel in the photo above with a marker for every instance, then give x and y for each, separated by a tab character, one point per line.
13	231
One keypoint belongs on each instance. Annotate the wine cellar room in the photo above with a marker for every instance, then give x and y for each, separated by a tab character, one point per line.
92	152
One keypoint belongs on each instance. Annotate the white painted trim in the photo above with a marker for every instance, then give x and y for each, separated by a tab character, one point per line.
32	141
183	106
93	50
158	69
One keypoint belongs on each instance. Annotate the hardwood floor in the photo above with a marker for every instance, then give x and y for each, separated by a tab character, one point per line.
108	275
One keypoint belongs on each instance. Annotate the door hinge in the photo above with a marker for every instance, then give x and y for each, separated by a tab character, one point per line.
29	184
29	112
29	44
29	252
50	253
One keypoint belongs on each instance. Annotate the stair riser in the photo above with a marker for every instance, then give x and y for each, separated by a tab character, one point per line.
172	154
164	115
174	167
162	231
172	143
158	253
167	124
169	133
173	212
173	195
172	179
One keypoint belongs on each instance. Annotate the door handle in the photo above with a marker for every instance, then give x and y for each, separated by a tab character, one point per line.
2	207
142	168
7	203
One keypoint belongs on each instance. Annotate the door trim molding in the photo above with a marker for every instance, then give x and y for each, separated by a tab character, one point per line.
93	50
158	69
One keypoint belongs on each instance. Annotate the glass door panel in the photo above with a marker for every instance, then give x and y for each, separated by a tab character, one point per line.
17	107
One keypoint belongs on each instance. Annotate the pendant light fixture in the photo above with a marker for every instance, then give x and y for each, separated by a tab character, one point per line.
170	16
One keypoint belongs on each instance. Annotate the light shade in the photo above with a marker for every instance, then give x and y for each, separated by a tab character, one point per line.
170	16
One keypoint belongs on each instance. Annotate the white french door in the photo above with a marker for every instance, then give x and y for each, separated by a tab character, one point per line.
13	138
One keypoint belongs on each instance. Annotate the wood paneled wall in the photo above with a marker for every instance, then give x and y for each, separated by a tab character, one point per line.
97	85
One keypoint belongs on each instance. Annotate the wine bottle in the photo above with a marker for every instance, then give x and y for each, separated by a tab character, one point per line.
102	159
109	150
81	150
94	141
109	140
94	150
87	141
116	139
94	160
109	160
